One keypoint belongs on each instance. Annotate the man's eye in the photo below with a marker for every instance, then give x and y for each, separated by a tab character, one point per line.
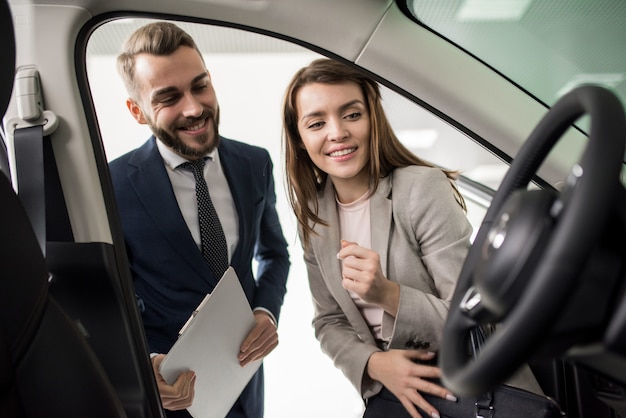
168	100
200	87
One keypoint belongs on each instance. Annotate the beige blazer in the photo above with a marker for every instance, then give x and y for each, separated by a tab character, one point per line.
422	236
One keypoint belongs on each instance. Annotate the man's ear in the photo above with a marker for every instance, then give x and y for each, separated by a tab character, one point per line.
136	111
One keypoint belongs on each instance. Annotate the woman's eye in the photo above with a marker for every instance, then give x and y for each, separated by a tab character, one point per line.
354	115
315	125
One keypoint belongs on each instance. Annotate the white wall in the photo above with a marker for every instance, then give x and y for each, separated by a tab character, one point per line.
300	380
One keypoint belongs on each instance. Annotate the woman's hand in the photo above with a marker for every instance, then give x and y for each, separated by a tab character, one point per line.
398	372
362	274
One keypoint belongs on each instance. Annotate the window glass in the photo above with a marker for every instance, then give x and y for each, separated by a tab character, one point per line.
250	73
546	47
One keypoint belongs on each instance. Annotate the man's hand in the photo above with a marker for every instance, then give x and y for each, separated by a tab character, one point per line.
261	340
180	394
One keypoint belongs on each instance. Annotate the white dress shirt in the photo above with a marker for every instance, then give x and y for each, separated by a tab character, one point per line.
184	186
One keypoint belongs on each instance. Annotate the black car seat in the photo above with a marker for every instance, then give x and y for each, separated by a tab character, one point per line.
47	369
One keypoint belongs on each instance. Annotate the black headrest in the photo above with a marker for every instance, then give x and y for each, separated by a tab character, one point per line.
7	63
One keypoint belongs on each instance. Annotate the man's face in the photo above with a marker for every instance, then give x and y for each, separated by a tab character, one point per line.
177	101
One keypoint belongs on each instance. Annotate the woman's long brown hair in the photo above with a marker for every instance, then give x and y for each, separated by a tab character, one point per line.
387	153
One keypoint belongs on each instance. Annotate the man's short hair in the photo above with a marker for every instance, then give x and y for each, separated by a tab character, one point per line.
158	38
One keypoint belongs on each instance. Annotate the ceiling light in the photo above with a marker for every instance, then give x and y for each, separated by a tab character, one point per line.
488	174
418	138
486	10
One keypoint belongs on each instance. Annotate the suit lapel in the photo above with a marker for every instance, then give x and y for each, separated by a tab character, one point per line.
239	179
148	171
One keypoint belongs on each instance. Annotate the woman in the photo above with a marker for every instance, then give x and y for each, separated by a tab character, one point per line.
384	233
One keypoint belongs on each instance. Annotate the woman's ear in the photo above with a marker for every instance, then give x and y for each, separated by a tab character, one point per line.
135	111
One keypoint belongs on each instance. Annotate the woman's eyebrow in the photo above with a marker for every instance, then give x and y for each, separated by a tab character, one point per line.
350	104
343	107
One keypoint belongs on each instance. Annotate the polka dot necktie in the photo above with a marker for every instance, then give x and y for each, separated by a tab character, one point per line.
214	249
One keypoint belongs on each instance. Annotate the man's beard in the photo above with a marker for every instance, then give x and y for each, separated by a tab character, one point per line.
175	143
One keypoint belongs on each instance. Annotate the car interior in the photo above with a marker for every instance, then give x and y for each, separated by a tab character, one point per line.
560	268
547	264
53	291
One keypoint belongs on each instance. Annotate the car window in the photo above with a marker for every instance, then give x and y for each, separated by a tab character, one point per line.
546	47
250	73
523	39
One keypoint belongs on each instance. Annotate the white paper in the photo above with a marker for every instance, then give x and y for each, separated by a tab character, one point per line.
209	345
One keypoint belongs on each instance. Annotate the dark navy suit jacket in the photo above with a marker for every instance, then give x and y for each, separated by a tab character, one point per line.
170	275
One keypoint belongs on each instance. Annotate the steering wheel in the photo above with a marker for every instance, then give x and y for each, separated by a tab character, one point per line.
533	244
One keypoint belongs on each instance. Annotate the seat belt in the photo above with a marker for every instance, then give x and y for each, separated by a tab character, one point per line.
38	182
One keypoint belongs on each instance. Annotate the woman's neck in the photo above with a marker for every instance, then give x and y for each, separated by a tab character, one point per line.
349	190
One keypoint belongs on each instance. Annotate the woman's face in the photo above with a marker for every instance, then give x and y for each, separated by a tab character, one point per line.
334	126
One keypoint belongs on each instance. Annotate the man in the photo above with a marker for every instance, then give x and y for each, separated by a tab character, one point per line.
170	90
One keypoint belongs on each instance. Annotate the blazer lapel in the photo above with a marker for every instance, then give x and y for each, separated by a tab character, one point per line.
327	245
381	214
161	205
